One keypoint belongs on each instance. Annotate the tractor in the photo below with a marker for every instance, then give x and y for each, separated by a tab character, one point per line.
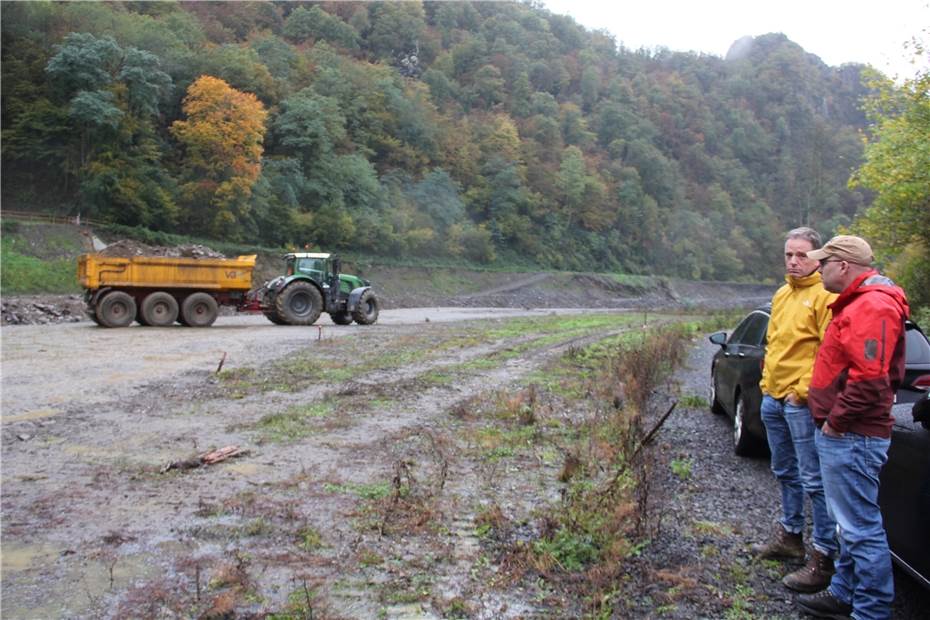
312	284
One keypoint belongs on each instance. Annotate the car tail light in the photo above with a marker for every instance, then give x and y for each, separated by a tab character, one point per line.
922	382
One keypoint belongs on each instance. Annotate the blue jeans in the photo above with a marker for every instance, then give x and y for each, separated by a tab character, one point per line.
790	433
851	465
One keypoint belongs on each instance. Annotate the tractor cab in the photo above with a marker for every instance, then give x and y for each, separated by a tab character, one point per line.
316	266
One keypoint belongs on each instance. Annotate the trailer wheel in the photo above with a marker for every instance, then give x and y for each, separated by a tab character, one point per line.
366	312
159	309
199	310
299	304
116	309
92	314
341	318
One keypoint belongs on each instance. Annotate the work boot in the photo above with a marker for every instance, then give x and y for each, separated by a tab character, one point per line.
783	545
813	576
824	605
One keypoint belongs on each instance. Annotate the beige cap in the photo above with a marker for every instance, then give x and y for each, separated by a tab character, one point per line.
845	247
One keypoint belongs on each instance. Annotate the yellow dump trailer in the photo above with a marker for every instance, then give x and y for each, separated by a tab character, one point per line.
158	290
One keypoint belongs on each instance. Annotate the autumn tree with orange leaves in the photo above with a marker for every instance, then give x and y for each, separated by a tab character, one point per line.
222	139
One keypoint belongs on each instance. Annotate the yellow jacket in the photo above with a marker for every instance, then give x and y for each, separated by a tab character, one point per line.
799	319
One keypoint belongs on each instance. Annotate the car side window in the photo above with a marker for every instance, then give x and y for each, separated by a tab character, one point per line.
751	331
755	331
737	336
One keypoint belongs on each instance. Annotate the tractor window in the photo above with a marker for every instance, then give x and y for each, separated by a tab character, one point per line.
313	267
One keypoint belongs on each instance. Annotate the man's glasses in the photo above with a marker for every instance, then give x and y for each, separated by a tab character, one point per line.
824	261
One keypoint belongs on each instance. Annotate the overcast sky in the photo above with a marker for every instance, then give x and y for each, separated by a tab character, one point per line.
838	31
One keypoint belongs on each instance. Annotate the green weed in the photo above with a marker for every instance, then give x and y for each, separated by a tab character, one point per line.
681	468
309	539
292	424
693	401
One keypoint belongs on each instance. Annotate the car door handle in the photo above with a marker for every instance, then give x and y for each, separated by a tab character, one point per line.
741	354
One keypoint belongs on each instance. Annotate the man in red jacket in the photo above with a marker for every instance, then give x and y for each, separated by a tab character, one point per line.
858	368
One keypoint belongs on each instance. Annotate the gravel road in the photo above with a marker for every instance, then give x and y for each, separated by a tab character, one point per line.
47	367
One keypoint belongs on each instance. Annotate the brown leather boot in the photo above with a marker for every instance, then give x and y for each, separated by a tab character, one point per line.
813	576
782	546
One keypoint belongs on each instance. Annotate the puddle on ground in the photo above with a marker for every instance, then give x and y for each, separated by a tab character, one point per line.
166	358
246	469
49	585
95	452
16	557
35	414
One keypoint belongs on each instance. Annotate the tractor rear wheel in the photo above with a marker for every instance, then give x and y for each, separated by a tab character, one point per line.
116	309
199	310
299	304
272	316
341	318
159	309
366	312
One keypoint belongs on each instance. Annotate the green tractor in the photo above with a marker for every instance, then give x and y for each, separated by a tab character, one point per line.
312	285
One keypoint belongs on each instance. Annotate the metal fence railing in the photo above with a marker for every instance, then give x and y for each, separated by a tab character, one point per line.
50	218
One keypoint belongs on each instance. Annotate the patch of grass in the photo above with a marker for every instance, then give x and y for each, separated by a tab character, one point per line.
302	604
495	443
373	491
681	468
367	557
740	603
693	401
294	423
711	528
309	539
257	527
570	550
26	275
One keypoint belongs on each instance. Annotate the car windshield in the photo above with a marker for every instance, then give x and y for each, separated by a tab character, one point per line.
917	349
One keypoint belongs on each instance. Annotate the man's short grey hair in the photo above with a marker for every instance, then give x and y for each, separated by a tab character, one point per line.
808	234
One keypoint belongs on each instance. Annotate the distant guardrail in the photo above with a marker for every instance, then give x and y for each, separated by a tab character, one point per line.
50	218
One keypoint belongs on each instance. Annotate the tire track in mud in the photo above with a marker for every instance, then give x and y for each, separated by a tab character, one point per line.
113	492
456	576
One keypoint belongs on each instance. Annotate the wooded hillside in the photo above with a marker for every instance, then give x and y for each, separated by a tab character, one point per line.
486	131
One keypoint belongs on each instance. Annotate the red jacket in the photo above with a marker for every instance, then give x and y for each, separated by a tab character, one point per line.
861	360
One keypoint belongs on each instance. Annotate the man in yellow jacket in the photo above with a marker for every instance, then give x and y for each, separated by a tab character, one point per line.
799	319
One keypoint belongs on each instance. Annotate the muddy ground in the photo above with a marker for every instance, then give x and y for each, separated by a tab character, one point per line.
306	521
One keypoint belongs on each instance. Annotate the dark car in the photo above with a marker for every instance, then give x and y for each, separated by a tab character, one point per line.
736	370
904	495
905	479
917	366
734	380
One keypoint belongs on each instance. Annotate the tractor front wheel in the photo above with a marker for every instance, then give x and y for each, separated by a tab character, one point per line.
366	312
299	304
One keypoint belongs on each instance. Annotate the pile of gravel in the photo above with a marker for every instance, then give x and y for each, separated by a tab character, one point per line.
127	248
41	309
